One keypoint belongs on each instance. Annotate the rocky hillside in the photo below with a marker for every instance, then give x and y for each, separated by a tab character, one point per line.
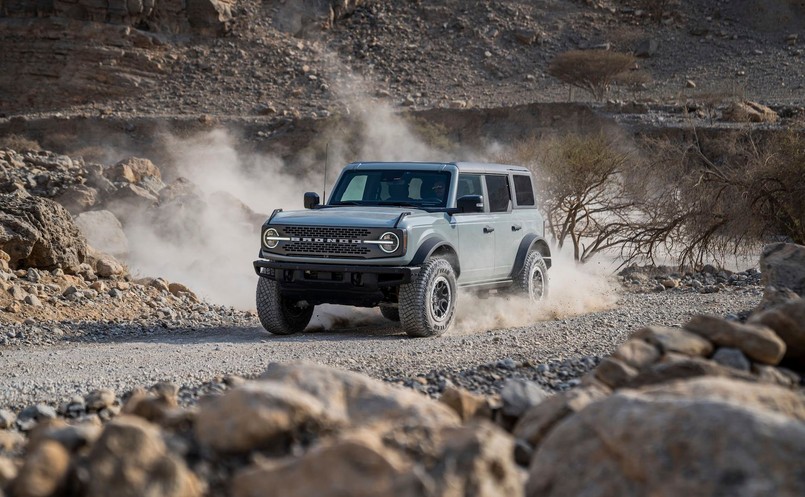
252	57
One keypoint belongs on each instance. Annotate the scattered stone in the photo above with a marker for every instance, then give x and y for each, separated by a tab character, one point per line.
745	112
100	399
518	396
33	300
7	419
788	322
44	471
32	415
466	404
675	340
733	358
782	265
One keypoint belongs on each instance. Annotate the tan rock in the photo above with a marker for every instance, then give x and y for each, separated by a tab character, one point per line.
788	322
11	441
746	112
179	290
636	444
637	353
356	466
100	399
675	340
540	419
131	458
8	471
773	296
679	367
360	399
133	170
778	376
258	415
466	404
756	341
477	461
44	471
614	373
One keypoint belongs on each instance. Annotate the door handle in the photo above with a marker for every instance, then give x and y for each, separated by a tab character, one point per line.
517	227
488	229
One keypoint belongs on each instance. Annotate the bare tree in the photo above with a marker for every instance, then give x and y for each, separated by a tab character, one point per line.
584	189
591	70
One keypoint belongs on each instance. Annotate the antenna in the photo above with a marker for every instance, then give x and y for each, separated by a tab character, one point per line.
324	185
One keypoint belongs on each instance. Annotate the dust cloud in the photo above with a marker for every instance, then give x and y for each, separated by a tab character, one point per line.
574	289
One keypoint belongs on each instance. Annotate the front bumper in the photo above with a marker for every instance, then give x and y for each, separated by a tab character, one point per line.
361	285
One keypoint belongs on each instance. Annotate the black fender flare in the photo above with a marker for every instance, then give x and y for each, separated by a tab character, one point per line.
431	245
528	243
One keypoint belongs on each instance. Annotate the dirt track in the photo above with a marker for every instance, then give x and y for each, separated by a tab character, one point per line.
190	358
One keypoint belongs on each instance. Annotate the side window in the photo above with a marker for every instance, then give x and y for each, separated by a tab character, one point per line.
355	189
523	190
469	184
499	196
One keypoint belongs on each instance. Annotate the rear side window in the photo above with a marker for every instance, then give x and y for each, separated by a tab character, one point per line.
499	196
523	191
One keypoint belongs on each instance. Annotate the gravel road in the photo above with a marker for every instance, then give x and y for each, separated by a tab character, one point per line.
191	358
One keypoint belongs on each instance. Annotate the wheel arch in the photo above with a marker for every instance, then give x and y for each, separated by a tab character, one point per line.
528	244
437	247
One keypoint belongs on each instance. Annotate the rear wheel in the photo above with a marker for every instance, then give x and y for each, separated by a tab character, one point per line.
277	314
533	280
391	313
428	304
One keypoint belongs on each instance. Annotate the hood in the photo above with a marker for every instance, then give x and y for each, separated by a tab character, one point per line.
354	216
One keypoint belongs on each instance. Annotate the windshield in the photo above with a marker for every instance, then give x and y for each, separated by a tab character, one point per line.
396	187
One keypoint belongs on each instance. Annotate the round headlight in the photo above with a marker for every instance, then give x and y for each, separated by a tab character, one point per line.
389	247
270	238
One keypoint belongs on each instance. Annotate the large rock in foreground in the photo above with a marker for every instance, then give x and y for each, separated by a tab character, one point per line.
40	233
633	444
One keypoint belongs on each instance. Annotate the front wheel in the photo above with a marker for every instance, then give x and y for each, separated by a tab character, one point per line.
427	305
277	314
533	280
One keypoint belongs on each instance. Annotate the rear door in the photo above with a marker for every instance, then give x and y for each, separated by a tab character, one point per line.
507	234
476	238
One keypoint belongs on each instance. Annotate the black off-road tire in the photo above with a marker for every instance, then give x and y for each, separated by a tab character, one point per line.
391	313
277	314
428	304
534	270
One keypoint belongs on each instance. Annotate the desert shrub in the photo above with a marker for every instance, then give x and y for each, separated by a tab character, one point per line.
634	81
591	70
656	8
19	143
722	196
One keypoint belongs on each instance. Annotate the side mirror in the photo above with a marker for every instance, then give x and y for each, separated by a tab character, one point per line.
470	203
311	200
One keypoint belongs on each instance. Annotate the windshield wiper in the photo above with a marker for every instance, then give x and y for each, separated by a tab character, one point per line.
350	202
401	204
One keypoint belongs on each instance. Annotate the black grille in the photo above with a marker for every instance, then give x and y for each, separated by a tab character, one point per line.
326	232
325	248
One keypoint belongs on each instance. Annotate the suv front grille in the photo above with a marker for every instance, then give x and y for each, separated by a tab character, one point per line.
326	232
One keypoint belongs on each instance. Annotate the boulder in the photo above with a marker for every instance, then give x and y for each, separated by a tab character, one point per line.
356	466
773	296
141	172
130	202
37	232
518	396
749	112
44	471
733	358
103	232
260	415
477	461
637	353
360	399
633	444
541	419
675	340
614	373
131	458
78	198
466	404
678	367
8	471
788	322
782	265
758	342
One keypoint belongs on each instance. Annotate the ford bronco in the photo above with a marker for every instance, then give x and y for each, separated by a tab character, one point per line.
403	237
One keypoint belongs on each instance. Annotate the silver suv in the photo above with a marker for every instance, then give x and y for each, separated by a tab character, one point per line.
403	237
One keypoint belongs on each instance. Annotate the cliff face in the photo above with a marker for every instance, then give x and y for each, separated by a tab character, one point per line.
208	17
